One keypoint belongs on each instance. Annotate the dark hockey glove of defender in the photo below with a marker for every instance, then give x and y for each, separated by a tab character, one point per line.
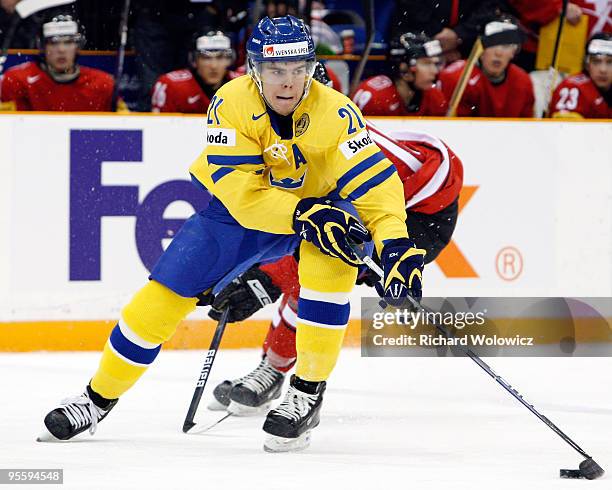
318	221
403	265
245	295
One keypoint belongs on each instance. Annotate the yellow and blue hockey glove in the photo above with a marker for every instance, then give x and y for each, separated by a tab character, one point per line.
318	221
403	264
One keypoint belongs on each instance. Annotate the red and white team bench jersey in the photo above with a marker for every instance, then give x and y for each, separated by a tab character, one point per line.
513	97
578	96
377	96
179	91
27	87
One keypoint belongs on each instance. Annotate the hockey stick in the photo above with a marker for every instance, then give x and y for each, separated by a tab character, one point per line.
477	50
554	72
24	9
368	7
589	469
189	424
123	30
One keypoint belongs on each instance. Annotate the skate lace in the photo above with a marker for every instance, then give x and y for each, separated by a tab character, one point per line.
278	151
81	410
261	378
296	404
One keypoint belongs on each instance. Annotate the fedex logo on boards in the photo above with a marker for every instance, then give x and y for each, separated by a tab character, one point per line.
90	201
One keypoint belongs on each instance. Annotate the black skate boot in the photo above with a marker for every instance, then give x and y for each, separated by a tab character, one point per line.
222	391
76	415
221	395
289	424
255	392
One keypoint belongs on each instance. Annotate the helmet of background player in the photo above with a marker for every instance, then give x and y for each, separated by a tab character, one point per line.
321	75
212	56
281	60
416	60
598	60
59	41
501	41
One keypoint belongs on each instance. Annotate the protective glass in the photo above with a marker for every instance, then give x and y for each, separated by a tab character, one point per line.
599	60
57	40
506	48
433	62
217	54
284	73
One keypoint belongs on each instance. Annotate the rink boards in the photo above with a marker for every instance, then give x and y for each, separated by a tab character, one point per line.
88	202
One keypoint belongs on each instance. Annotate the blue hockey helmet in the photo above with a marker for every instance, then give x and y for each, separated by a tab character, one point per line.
280	40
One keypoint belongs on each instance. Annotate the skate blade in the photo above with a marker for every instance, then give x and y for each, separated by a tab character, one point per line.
276	444
241	410
46	436
216	406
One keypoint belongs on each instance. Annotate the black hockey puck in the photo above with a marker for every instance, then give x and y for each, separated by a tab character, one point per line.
570	474
590	469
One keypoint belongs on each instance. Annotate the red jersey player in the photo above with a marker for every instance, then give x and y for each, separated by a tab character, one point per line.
432	176
497	87
412	91
588	94
56	82
190	90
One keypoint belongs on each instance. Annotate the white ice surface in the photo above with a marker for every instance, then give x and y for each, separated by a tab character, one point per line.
423	423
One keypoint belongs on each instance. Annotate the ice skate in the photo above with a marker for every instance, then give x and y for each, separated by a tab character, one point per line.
288	426
75	415
255	392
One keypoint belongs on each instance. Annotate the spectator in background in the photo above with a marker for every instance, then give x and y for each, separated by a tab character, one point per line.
8	5
415	64
455	23
533	14
280	8
496	87
26	34
163	33
599	14
588	94
56	82
190	90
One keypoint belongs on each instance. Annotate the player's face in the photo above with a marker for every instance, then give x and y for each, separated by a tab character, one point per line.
600	70
61	55
426	72
495	60
283	84
212	67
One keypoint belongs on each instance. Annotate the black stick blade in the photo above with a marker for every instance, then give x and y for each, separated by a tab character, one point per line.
574	474
590	469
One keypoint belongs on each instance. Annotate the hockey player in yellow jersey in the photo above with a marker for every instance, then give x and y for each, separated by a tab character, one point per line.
289	164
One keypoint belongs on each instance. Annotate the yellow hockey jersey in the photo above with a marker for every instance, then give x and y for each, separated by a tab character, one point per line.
260	178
